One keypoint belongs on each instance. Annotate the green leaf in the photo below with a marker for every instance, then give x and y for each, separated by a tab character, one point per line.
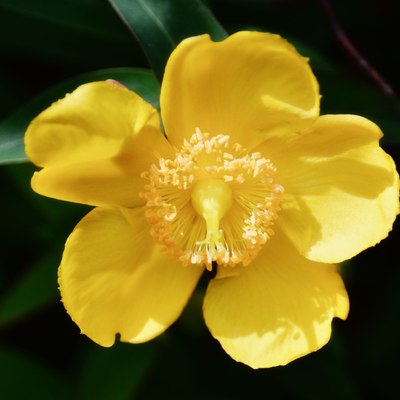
308	378
117	372
23	378
12	129
74	14
160	25
35	289
91	33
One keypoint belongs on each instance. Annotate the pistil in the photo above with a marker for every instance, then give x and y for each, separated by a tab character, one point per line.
212	198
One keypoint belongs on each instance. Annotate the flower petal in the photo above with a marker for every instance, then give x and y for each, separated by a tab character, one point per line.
94	144
276	309
248	86
114	279
341	189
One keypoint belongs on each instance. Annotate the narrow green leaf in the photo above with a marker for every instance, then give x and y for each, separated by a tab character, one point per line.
73	14
117	372
23	378
91	34
12	129
35	289
160	25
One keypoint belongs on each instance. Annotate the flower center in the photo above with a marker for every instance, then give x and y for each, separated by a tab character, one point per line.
213	202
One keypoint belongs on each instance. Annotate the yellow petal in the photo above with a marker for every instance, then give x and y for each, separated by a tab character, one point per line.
341	189
94	144
248	86
114	279
276	309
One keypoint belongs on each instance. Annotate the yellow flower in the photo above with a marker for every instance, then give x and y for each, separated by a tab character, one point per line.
250	180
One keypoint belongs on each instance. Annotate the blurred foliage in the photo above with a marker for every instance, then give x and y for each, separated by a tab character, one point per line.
47	48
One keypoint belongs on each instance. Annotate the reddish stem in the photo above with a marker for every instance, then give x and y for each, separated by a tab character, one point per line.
353	52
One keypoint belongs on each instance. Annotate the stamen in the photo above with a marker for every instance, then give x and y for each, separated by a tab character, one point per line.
212	202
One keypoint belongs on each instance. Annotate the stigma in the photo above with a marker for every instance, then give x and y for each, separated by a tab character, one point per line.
213	203
212	198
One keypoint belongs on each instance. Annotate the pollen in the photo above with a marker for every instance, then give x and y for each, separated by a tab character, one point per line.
213	203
